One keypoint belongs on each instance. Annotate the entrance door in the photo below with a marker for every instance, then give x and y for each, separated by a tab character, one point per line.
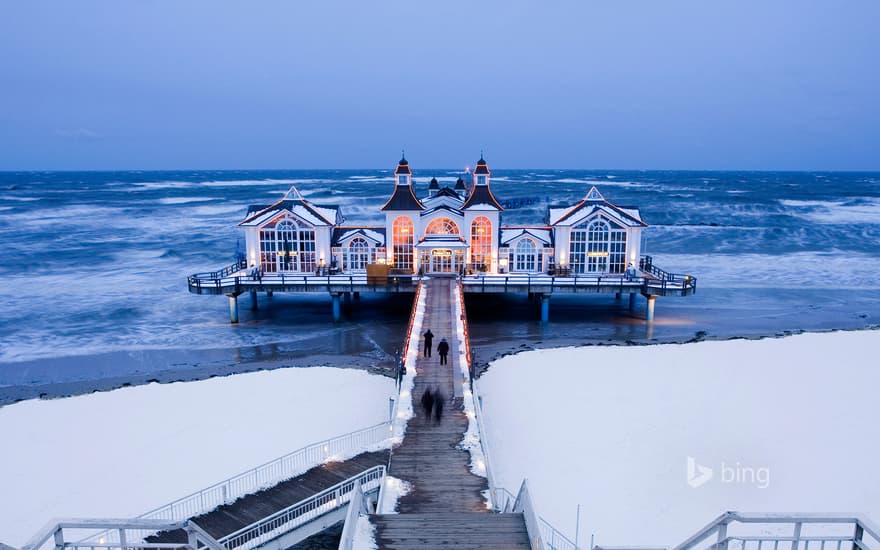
441	261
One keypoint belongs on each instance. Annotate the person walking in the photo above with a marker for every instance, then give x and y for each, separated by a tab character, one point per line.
439	401
427	403
443	350
429	342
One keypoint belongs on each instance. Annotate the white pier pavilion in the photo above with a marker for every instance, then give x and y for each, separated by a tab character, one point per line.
294	245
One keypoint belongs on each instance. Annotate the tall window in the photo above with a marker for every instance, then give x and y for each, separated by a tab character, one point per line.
357	254
598	249
441	226
481	242
402	242
617	256
481	180
526	256
287	247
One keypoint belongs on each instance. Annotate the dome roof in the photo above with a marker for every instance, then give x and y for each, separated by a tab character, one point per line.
459	183
434	184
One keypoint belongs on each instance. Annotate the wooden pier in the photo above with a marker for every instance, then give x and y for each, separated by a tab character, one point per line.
446	507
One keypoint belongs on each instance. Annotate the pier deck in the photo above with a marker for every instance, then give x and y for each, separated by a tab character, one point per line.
445	508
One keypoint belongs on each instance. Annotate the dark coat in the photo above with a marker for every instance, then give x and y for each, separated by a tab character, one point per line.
443	348
429	337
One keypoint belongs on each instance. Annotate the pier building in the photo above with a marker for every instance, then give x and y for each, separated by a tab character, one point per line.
294	245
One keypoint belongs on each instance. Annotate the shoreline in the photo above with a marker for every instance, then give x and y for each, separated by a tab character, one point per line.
488	354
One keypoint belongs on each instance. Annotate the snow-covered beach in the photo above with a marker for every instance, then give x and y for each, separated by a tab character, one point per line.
785	424
121	453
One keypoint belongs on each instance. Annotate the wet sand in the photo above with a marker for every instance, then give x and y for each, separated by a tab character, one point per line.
499	325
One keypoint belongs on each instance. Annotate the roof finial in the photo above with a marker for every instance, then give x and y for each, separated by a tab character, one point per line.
481	154
402	154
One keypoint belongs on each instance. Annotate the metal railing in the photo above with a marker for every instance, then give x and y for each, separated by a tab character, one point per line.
741	531
303	512
356	507
266	475
524	506
554	539
233	280
126	530
538	282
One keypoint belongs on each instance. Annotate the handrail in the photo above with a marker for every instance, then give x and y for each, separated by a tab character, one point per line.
268	474
197	537
302	512
554	539
525	506
467	334
349	527
719	527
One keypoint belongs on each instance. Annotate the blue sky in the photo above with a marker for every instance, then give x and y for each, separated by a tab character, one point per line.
631	84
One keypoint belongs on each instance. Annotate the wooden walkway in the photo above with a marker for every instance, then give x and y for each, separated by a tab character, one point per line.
445	507
229	518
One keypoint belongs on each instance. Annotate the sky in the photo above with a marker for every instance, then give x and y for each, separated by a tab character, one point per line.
616	84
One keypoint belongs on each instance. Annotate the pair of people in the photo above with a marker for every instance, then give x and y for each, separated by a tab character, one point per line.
442	347
433	401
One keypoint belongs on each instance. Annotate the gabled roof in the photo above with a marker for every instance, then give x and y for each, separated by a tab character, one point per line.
293	203
593	202
373	233
441	206
542	234
482	195
403	198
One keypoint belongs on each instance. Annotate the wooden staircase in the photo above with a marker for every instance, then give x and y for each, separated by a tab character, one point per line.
451	530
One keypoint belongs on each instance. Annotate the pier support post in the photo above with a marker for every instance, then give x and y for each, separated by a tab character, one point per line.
649	309
269	294
347	297
632	301
617	296
545	308
337	309
254	304
357	295
233	308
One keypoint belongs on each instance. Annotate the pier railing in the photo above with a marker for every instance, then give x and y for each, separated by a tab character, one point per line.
264	476
647	283
237	281
127	535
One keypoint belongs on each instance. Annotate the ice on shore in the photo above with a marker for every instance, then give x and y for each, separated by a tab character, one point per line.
785	425
124	452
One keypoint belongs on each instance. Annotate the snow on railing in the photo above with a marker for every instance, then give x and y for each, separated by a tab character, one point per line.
356	508
403	408
127	532
303	512
267	475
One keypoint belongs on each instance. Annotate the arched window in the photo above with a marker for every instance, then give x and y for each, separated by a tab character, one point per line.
481	243
441	226
357	254
600	248
526	256
287	247
402	242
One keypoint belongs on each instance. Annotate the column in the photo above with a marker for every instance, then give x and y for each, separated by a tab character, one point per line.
337	309
632	301
649	310
545	308
233	308
254	305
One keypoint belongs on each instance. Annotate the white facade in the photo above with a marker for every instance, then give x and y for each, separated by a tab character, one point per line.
449	230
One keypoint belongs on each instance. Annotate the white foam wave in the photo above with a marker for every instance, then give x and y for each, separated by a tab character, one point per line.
216	210
183	200
837	212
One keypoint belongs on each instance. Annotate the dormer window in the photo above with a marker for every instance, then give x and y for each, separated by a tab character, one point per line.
404	179
481	180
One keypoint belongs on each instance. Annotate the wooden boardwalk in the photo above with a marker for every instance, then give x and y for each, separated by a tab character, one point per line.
229	518
445	507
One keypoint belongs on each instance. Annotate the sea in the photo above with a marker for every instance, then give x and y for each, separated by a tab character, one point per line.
93	291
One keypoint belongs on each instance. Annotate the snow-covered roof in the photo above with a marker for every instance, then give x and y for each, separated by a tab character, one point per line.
294	203
542	234
437	207
442	241
592	203
375	234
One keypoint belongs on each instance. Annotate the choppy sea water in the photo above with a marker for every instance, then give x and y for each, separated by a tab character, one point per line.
94	282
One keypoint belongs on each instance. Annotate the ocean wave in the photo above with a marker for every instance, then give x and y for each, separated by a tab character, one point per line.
858	210
183	200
